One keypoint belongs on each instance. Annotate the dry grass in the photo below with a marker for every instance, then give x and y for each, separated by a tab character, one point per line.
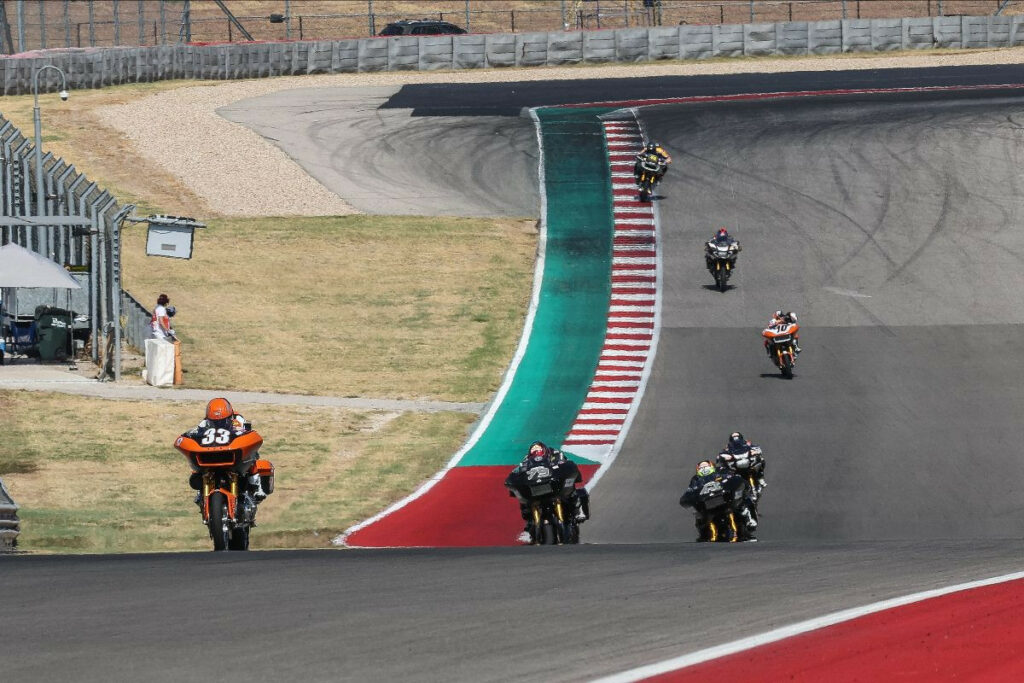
102	476
351	306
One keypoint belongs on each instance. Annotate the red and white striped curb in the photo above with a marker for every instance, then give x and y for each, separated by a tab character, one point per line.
630	333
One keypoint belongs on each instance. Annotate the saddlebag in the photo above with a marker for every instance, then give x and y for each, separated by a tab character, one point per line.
265	469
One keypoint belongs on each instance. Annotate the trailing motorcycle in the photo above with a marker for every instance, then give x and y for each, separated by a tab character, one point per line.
647	172
716	499
779	341
545	492
221	463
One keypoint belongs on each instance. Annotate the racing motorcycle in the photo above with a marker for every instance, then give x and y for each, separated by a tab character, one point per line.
221	463
717	499
779	342
749	465
721	261
647	173
544	491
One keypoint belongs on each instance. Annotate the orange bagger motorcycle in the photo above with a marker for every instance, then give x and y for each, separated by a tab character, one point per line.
778	340
223	462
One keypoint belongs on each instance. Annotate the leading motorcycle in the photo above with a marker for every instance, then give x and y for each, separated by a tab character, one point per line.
647	172
221	463
779	342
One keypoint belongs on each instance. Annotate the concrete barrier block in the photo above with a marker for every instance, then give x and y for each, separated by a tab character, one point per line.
280	59
435	53
631	45
599	46
663	42
824	37
918	33
469	52
999	31
320	58
974	31
531	49
1017	30
857	35
565	47
373	54
760	40
345	56
500	50
886	35
793	38
696	42
948	31
403	52
727	40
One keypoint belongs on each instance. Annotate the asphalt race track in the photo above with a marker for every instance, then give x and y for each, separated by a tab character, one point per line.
889	223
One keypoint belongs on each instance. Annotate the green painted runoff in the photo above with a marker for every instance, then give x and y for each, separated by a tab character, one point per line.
554	375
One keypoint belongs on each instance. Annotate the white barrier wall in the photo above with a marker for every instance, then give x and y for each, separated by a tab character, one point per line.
97	67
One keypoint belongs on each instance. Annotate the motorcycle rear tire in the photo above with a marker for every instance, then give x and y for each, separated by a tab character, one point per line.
219	523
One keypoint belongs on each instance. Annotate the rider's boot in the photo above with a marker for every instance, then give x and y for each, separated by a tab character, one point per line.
258	494
748	519
581	516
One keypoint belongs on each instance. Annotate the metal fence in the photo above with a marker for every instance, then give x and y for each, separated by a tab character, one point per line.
10	526
45	24
71	221
135	321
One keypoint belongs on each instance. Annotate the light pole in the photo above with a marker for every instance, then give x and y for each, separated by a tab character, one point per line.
40	194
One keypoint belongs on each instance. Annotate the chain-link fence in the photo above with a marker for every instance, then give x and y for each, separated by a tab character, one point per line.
45	24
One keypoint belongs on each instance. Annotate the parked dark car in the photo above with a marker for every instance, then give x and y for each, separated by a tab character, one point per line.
420	27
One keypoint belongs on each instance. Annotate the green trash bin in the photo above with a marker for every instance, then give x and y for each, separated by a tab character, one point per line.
53	334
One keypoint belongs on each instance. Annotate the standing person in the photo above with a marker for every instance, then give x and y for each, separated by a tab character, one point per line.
160	324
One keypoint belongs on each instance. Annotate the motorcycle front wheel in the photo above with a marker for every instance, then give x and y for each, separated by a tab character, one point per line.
219	524
787	366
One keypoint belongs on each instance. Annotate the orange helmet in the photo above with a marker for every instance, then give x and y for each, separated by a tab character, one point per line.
218	409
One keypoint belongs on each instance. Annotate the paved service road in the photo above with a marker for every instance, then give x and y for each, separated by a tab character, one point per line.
385	161
891	225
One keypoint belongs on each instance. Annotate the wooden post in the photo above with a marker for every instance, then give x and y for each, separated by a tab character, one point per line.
177	363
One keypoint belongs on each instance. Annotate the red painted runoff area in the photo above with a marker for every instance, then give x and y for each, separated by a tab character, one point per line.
971	635
469	506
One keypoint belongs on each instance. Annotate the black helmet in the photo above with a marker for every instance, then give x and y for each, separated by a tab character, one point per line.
537	449
736	440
